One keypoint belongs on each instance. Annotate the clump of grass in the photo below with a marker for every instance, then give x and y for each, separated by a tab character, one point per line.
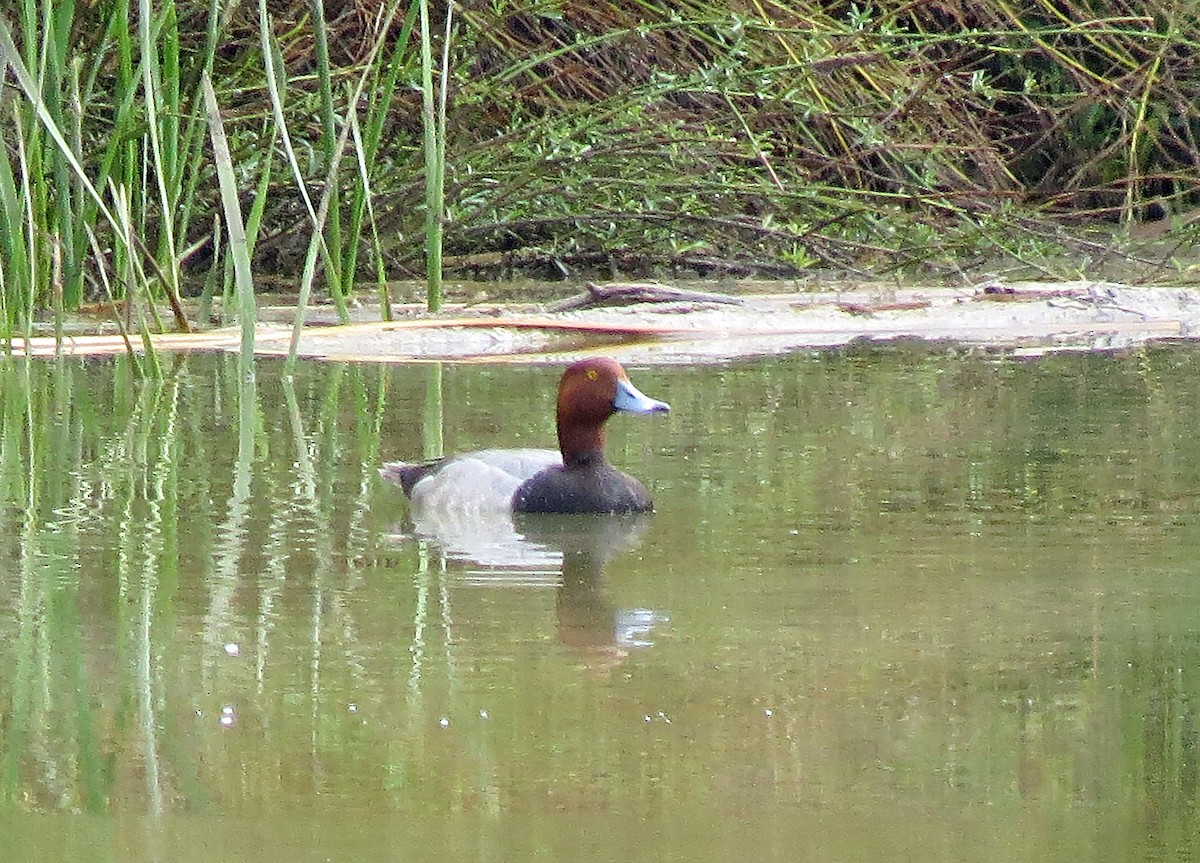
830	136
140	153
768	137
70	189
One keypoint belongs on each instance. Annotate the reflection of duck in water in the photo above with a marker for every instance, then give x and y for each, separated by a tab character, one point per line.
568	552
575	479
590	623
587	619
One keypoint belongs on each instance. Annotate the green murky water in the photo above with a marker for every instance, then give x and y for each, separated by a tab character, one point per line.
895	605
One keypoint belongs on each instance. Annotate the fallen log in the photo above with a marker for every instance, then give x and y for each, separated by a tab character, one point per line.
629	293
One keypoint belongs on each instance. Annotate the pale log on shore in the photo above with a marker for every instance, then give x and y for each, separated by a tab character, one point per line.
629	293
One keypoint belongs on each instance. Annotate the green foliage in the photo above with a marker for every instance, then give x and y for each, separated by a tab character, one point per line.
847	131
767	136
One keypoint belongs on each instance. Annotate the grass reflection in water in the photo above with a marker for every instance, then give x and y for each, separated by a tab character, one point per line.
951	596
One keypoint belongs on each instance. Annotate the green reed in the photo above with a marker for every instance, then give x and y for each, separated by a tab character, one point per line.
433	125
775	136
111	117
122	507
367	147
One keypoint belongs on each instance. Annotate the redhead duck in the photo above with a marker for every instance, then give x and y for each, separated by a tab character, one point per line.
576	479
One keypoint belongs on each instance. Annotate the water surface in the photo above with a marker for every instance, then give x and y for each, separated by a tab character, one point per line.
895	604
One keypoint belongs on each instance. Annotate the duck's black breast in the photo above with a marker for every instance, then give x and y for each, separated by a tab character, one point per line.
595	487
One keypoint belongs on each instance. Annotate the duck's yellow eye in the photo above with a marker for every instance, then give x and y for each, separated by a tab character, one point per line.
591	374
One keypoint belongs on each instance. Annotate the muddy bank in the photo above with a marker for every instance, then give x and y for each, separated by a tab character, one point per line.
1023	318
693	328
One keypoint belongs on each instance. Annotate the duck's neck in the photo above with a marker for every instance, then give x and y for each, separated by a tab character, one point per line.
581	445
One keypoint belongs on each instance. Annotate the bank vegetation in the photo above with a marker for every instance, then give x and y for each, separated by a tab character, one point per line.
928	139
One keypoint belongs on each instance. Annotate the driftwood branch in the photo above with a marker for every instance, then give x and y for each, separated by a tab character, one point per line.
628	293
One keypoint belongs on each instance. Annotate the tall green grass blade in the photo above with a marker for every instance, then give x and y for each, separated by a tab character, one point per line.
434	168
30	226
171	115
16	229
124	161
368	147
443	98
218	274
162	155
274	74
56	294
262	194
68	287
234	228
339	282
74	288
432	419
212	277
307	275
364	175
189	161
133	279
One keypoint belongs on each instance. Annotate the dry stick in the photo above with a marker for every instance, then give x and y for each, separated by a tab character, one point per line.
121	321
1133	169
177	310
753	139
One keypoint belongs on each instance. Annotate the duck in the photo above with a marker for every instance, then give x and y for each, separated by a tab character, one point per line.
575	479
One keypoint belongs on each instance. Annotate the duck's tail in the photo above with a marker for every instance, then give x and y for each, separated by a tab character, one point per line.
406	474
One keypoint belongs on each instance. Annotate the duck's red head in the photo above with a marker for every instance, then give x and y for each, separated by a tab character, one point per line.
589	393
